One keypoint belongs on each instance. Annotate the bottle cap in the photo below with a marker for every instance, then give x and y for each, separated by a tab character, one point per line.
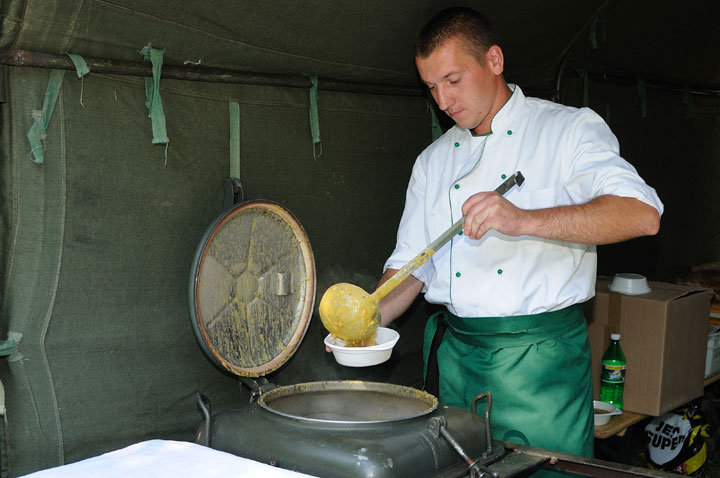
614	336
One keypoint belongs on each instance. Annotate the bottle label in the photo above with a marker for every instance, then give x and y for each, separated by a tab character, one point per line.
613	373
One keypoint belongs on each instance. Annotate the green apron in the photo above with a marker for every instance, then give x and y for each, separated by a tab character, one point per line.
537	368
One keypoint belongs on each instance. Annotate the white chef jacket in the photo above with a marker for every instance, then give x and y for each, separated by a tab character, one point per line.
567	155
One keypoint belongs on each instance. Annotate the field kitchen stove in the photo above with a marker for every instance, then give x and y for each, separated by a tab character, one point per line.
252	293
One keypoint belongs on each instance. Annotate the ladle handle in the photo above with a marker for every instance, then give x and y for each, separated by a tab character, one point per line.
516	178
431	249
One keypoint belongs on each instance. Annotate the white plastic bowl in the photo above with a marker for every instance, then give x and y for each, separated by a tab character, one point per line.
364	356
604	418
629	284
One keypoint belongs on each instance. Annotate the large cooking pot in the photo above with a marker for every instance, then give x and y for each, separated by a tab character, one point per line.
252	292
353	429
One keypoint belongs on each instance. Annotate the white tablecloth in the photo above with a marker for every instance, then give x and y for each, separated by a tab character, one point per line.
166	459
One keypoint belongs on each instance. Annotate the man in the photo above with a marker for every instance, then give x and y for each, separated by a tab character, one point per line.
513	281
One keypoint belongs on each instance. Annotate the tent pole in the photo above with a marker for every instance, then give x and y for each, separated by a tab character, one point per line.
567	51
25	58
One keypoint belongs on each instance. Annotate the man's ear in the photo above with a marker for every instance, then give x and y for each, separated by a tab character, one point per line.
495	60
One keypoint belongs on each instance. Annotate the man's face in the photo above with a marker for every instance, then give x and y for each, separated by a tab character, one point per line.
467	91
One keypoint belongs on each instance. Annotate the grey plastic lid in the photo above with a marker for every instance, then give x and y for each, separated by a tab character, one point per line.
252	288
614	336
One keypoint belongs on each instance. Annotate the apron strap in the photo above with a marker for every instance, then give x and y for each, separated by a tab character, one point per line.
430	330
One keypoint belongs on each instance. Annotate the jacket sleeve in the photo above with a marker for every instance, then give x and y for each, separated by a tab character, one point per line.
594	166
411	235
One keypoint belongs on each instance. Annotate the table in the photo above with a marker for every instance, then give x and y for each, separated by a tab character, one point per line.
166	459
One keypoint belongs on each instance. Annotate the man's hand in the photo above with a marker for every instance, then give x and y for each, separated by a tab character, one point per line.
489	210
604	220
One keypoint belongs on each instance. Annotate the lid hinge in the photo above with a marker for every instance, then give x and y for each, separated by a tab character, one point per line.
257	386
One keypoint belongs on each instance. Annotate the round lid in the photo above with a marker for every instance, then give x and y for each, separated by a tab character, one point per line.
614	336
252	288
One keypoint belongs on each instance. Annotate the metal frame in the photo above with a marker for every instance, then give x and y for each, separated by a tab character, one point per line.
521	458
26	58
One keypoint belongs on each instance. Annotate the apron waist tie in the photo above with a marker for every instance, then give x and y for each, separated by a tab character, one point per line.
501	332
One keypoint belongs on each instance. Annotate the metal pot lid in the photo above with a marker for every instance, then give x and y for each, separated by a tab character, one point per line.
252	288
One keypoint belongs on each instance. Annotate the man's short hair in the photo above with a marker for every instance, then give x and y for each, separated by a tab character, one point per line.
465	23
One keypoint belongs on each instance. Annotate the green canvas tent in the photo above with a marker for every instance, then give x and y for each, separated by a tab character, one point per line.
103	207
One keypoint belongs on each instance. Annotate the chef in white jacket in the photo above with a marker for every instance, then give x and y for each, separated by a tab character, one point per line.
513	281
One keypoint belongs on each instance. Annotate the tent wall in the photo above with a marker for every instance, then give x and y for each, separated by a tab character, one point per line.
675	146
102	235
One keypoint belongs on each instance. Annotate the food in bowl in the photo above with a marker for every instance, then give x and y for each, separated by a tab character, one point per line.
604	412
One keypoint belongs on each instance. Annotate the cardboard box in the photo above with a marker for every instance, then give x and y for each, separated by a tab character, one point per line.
664	337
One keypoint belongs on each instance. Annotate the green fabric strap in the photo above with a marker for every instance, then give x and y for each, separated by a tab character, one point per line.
593	35
153	102
434	123
597	23
234	139
41	119
537	368
314	121
9	347
688	102
643	97
431	327
81	67
586	92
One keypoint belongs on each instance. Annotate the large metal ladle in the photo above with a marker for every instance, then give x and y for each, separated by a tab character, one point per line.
351	314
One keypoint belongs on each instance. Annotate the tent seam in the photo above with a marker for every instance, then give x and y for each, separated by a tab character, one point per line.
16	202
14	17
76	16
51	305
249	45
23	25
304	105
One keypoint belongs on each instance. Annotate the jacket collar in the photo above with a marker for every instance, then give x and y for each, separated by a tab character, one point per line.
502	119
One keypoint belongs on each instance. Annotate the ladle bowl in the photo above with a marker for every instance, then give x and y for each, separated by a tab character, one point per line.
349	313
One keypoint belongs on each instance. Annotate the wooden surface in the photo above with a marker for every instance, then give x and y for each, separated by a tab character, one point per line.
711	379
620	423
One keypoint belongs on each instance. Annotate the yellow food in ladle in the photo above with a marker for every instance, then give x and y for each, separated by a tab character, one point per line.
349	314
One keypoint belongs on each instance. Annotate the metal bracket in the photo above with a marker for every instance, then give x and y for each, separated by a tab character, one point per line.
488	407
204	404
238	191
257	386
434	425
438	426
234	192
523	458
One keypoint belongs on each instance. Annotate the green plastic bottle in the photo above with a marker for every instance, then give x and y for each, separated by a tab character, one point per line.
612	377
